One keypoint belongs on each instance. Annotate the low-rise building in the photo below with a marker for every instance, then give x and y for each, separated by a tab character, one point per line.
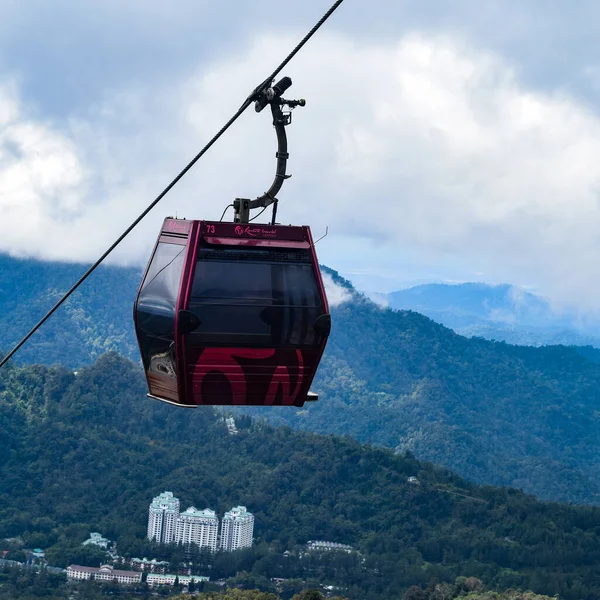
104	573
10	563
152	566
154	579
231	428
97	540
328	546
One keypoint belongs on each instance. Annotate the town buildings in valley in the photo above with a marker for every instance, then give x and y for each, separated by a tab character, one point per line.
103	573
151	566
96	539
231	428
198	527
166	524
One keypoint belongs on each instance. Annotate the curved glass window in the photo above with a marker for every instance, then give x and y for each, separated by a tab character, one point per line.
156	308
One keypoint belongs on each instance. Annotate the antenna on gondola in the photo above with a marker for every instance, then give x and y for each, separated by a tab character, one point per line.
271	95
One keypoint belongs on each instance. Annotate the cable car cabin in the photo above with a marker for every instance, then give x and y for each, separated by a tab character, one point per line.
231	313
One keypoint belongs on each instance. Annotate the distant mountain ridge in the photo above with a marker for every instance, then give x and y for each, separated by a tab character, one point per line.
496	312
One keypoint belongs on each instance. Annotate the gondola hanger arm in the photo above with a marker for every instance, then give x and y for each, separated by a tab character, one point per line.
272	96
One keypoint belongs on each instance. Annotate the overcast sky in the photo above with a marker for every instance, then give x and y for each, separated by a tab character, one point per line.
448	141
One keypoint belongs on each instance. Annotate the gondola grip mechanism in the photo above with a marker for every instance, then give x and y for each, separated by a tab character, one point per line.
271	95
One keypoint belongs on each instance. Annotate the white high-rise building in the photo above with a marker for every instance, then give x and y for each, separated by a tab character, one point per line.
237	527
162	519
198	527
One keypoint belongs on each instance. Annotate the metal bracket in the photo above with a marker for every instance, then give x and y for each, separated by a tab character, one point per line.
271	96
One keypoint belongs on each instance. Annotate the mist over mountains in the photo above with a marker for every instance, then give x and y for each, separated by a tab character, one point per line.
497	312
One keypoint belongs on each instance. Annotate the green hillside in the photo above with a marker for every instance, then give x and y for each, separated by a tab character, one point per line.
93	321
87	452
494	413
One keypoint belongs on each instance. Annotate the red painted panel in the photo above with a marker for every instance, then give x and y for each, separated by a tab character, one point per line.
182	303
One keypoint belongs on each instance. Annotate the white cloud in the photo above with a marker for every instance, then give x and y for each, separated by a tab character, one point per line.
426	146
336	294
380	299
502	316
436	147
41	179
69	188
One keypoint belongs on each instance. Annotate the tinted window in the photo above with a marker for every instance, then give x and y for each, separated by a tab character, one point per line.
240	300
156	306
245	281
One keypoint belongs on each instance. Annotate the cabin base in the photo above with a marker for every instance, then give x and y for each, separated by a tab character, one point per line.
171	402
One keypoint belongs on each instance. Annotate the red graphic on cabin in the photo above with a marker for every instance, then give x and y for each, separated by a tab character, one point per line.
230	374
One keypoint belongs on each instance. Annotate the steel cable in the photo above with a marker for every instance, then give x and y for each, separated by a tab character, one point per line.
258	90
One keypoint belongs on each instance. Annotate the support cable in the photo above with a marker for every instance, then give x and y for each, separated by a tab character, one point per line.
256	92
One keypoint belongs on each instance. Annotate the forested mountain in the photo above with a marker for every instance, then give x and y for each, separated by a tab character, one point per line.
498	414
87	452
495	413
94	320
497	312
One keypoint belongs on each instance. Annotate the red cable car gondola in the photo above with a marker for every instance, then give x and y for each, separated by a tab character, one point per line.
231	314
234	313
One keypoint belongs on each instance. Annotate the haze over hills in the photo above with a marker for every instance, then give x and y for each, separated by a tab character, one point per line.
494	413
88	452
496	312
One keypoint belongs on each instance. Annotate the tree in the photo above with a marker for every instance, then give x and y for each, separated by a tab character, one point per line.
415	593
442	591
17	555
472	584
308	595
